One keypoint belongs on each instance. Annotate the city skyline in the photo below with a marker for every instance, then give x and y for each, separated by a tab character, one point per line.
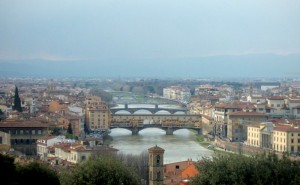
150	39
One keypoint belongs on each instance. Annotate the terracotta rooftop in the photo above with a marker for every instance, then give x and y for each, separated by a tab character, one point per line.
286	128
294	100
241	113
276	98
21	123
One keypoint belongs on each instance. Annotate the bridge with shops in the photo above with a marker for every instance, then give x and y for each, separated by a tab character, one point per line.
169	123
156	108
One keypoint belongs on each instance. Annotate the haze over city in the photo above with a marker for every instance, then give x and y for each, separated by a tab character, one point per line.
133	38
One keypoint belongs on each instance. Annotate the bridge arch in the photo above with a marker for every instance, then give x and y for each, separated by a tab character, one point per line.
122	112
179	112
123	128
142	111
162	112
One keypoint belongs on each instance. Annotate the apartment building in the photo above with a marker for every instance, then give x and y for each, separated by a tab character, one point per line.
220	113
256	99
286	138
74	152
24	134
260	134
238	121
97	114
182	94
75	121
44	144
281	137
57	105
277	104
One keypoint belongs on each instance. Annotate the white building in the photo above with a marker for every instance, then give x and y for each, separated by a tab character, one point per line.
179	93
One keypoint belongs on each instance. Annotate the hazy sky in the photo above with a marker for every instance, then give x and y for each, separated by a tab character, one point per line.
150	32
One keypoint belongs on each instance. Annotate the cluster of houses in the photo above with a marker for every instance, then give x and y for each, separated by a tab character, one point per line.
49	109
258	120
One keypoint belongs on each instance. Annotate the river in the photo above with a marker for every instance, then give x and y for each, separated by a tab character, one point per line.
180	146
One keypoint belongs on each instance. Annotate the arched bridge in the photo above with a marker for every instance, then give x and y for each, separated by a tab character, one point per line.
153	109
169	123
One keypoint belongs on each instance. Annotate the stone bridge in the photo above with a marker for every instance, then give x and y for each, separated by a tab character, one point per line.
169	123
153	110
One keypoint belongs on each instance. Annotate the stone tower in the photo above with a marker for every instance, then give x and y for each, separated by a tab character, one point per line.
51	86
156	165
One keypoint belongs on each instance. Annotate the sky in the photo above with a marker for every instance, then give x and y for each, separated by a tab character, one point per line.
153	38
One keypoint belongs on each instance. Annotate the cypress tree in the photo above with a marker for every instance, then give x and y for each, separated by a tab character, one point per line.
70	131
17	101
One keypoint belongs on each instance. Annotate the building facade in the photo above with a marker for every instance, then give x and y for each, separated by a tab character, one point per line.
97	114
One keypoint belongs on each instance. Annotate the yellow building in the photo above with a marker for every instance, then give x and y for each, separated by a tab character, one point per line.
286	138
97	114
260	134
279	137
253	138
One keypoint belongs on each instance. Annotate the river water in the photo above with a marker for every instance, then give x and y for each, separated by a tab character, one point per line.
180	146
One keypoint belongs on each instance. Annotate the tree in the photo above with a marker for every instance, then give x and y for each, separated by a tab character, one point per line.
2	115
56	131
69	130
36	173
239	169
7	169
105	96
17	101
86	129
103	170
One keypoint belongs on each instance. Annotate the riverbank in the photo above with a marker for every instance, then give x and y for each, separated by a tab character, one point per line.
209	144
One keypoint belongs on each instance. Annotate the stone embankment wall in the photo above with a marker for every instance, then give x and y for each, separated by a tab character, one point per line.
240	148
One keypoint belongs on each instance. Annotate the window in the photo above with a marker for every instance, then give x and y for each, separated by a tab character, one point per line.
292	140
1	140
157	159
158	175
33	132
39	131
272	105
278	105
298	140
292	134
177	167
292	148
83	157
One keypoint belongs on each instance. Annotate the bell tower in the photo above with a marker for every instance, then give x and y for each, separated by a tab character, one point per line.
156	165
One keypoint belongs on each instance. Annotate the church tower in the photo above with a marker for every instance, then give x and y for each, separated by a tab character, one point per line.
156	165
51	86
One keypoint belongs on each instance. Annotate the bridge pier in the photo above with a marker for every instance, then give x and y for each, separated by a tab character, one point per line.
199	131
135	131
169	131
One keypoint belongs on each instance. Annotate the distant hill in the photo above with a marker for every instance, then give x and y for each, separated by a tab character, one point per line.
245	66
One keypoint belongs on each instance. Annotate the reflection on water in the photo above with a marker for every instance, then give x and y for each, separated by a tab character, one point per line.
178	147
